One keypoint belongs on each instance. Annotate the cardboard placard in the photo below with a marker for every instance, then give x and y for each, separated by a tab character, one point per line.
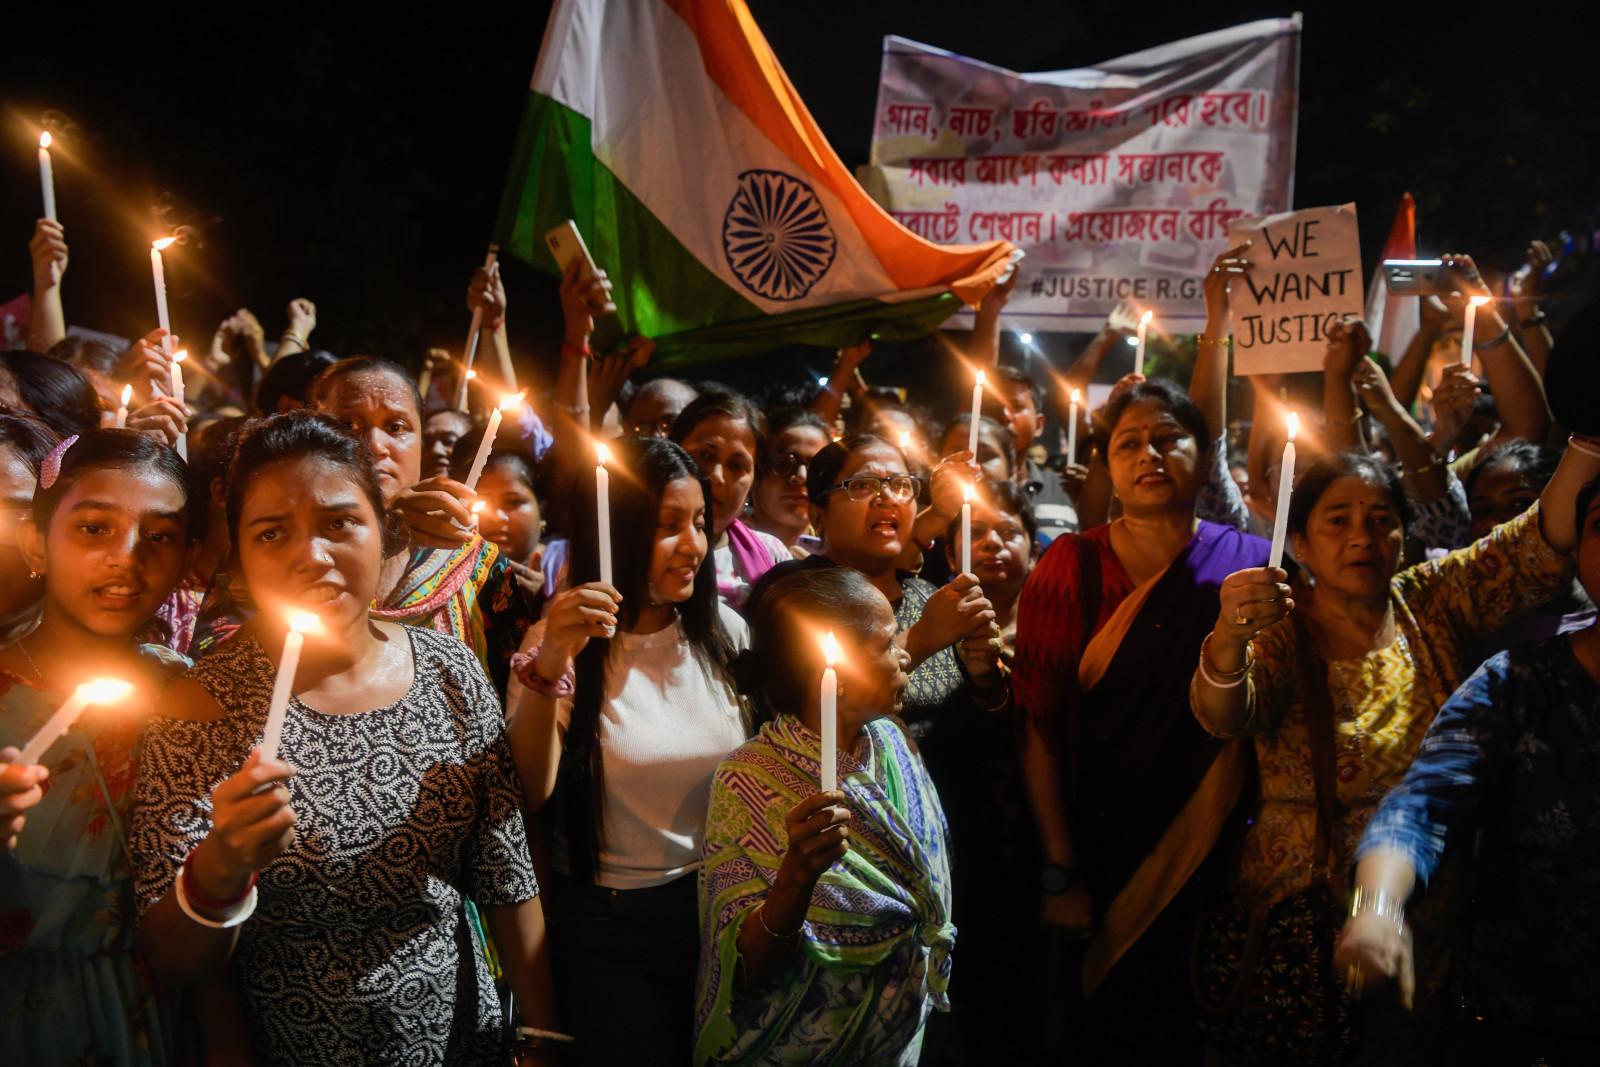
1305	275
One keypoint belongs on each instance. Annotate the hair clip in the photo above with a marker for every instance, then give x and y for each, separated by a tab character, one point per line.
50	469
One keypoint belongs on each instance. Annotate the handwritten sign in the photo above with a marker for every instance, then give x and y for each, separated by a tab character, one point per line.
1118	180
1305	275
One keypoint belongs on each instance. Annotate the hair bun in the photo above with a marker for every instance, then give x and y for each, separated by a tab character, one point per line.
749	675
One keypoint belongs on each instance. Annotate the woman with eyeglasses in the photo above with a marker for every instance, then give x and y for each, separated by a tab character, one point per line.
778	504
863	507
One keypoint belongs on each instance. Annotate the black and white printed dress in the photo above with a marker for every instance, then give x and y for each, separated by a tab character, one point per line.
360	950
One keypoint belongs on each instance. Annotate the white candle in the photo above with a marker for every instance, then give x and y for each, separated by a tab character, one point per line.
1144	328
1280	521
473	330
47	177
158	272
95	691
967	492
602	508
177	391
300	624
977	413
1072	429
467	378
1468	325
487	443
122	409
477	513
829	695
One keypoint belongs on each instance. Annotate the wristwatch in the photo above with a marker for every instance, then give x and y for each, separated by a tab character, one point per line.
1056	879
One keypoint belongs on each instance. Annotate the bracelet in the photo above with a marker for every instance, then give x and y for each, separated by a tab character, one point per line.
1581	444
1202	339
207	902
1433	465
290	335
569	349
1005	697
522	665
1379	903
1234	678
244	912
1538	318
762	919
1494	342
537	1038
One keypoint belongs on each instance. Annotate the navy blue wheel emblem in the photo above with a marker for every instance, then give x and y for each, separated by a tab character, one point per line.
776	235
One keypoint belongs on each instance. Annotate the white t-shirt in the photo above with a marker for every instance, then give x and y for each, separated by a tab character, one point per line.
664	727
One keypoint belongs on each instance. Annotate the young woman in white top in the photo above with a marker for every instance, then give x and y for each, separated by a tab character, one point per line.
621	708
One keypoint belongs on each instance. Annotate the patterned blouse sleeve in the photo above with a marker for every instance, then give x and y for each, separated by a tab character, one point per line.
1480	588
1219	499
180	763
498	868
1446	522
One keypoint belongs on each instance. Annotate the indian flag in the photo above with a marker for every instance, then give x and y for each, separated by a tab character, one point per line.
667	130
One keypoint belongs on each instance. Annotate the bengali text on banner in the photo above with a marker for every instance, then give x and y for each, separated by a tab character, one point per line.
1119	180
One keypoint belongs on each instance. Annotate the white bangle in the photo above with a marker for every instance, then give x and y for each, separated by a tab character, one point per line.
1213	683
246	908
1574	442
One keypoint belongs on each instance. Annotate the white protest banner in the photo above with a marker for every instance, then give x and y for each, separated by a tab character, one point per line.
1118	180
1305	275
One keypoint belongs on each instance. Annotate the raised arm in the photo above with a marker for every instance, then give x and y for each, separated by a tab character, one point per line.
1518	390
1434	316
48	250
1209	386
846	378
1526	288
984	348
1347	348
1421	469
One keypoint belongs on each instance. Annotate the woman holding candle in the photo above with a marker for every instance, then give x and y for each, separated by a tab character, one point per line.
1367	658
724	433
337	896
622	706
825	917
1128	793
778	503
107	531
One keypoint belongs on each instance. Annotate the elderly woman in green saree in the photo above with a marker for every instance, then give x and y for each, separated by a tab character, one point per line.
825	916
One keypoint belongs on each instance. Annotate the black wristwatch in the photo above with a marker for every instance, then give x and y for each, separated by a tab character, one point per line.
1056	879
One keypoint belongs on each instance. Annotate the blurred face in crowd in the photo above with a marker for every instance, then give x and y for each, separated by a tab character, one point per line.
657	406
681	541
867	534
1037	455
994	457
309	535
1001	551
1499	494
17	484
1353	539
1153	460
510	516
1022	413
724	448
382	410
872	672
440	433
116	547
779	498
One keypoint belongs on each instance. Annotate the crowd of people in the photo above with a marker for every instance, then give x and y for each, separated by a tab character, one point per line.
1108	787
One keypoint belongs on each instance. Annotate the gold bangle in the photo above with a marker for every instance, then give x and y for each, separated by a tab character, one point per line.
762	919
1433	465
1202	339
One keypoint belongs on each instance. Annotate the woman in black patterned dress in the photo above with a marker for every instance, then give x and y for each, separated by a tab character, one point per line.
334	875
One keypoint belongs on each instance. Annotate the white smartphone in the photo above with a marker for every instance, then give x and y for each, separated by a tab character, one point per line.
566	244
1418	277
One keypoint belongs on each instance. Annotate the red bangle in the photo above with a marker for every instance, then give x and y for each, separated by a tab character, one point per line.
206	903
569	349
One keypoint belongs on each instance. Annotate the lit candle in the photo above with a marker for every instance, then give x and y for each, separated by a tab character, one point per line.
47	177
177	391
159	273
122	409
967	493
1138	354
477	513
905	442
1072	428
1469	323
830	714
1280	521
461	396
977	413
473	330
300	624
602	508
95	691
489	433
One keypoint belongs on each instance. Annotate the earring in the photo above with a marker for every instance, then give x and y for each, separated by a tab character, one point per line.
34	575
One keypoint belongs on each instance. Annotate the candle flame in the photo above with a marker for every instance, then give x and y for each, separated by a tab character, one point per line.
831	653
905	440
45	139
1077	397
471	374
127	394
1293	419
162	243
511	400
1479	301
303	622
981	379
1144	320
104	690
969	491
602	454
477	506
180	355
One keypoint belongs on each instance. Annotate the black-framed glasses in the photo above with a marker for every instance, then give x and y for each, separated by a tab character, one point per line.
788	465
864	487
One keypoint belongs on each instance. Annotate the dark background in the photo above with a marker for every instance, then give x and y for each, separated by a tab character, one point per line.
356	156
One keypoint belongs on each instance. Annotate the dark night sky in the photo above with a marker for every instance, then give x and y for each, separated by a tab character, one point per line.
359	161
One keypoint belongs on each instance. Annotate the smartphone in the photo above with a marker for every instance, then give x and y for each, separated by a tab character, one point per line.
1418	277
566	244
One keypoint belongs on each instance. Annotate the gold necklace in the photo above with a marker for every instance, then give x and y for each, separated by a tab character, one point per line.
37	673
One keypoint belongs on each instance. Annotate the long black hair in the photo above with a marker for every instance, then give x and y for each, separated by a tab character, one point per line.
30	438
59	394
640	473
